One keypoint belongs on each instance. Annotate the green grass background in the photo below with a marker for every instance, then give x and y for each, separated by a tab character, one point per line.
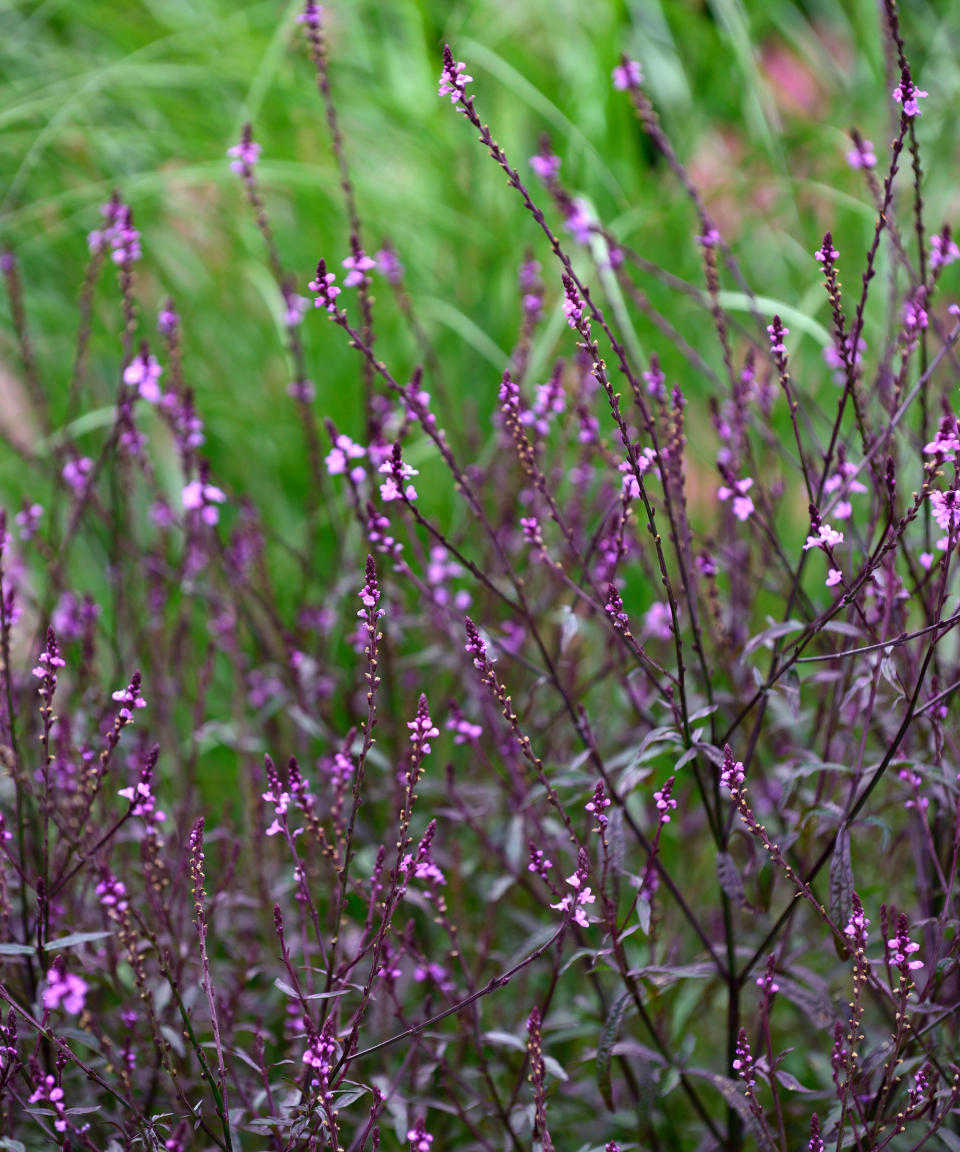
146	98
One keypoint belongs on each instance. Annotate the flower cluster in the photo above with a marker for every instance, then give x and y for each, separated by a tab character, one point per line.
245	154
901	947
732	774
627	75
453	78
142	373
338	458
129	697
597	804
907	94
49	661
203	497
664	801
581	896
573	305
117	232
742	504
422	728
395	487
357	267
325	287
64	989
420	1139
743	1063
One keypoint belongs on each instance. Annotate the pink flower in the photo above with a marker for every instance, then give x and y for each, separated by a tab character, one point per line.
344	450
203	497
907	94
64	990
827	538
357	268
545	165
453	79
583	896
627	75
142	373
742	504
862	156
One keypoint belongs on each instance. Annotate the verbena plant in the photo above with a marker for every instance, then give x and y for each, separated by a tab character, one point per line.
580	806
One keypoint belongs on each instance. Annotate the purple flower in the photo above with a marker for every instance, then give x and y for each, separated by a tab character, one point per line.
344	450
130	697
167	320
453	80
27	519
76	471
395	487
118	232
658	621
575	902
572	304
862	155
476	645
200	496
422	728
302	390
907	94
370	592
546	166
49	660
112	893
579	222
311	15
627	75
49	1091
943	249
420	1139
142	373
664	801
915	311
357	267
946	510
614	609
538	862
856	928
732	774
743	1063
142	801
295	308
245	154
327	291
826	253
901	946
742	504
777	332
389	265
826	537
947	440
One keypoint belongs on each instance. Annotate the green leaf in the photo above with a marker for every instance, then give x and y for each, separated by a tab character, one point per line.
16	950
505	1040
608	1037
841	879
75	938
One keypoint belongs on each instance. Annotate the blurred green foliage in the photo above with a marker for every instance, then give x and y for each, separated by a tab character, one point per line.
146	97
